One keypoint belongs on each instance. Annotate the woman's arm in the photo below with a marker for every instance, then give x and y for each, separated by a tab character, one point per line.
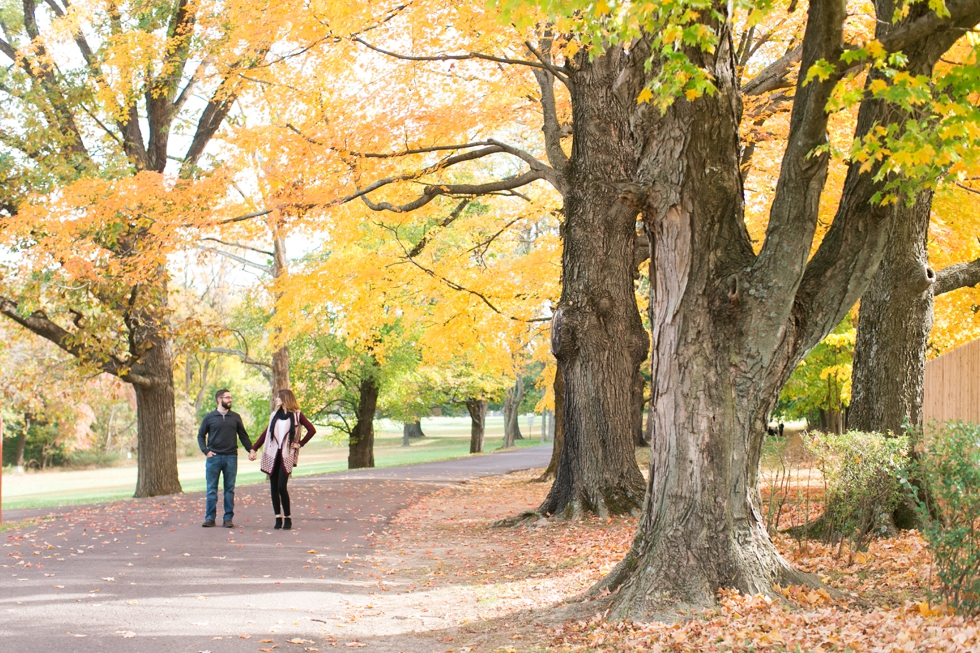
258	443
308	426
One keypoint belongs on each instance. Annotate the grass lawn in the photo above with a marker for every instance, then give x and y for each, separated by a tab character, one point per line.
446	437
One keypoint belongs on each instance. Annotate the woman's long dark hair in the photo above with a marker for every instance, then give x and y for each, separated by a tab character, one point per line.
291	407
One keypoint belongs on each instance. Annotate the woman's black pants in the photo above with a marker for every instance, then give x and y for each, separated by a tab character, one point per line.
277	483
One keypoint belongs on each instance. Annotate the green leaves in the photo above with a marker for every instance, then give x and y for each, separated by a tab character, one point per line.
680	33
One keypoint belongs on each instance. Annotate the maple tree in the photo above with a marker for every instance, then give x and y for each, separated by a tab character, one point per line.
106	173
730	323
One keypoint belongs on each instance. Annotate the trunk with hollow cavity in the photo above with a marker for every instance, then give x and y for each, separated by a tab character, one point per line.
477	408
361	449
597	334
893	329
894	323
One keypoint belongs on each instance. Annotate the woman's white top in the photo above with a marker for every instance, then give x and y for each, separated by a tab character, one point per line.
280	431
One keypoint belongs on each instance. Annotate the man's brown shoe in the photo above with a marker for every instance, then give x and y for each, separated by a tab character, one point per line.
227	524
209	523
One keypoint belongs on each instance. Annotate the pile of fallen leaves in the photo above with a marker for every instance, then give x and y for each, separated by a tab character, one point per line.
756	623
515	576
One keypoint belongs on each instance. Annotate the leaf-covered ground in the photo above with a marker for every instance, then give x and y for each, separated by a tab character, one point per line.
522	588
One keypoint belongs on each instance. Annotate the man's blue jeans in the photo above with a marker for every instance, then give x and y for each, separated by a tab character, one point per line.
227	466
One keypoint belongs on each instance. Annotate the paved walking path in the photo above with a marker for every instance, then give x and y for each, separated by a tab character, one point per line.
142	575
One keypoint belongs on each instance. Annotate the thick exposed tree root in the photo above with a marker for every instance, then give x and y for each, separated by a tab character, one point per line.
517	520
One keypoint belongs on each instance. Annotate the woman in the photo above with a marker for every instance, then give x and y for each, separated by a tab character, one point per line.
280	455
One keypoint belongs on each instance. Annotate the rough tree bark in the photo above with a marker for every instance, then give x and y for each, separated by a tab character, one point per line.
730	325
361	448
280	357
558	416
477	409
894	322
597	470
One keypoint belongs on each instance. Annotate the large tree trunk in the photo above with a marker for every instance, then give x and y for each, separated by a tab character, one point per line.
597	334
894	323
155	417
512	404
730	325
477	409
558	441
715	372
280	357
361	449
893	328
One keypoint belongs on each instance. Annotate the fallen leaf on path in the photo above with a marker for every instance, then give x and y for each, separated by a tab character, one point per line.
125	633
297	640
266	641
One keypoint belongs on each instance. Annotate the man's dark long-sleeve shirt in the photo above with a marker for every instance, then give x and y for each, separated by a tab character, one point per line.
221	431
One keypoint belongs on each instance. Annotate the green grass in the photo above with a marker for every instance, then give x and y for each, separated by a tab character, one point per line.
447	437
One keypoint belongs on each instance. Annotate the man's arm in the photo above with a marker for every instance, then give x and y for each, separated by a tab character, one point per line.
243	435
200	435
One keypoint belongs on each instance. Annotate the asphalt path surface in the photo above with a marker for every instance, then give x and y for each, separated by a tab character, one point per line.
142	575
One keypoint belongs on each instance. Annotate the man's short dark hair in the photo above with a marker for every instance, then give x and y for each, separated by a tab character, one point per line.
220	393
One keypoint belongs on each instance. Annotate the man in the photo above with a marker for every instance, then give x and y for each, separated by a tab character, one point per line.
221	426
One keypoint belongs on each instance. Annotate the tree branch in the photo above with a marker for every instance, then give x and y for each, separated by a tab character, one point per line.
458	211
794	212
39	324
954	277
961	13
450	57
773	76
546	60
239	245
454	285
839	272
241	259
429	193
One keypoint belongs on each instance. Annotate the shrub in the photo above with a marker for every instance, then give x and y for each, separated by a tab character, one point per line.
863	473
950	511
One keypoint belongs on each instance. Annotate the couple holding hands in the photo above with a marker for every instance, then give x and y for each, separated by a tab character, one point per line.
217	439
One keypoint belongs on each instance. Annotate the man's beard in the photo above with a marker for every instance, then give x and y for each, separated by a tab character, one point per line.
226	404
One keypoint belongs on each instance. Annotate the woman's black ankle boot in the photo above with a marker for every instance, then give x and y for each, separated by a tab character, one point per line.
278	523
287	524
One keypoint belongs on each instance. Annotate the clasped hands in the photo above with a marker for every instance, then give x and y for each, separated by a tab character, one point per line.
252	455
